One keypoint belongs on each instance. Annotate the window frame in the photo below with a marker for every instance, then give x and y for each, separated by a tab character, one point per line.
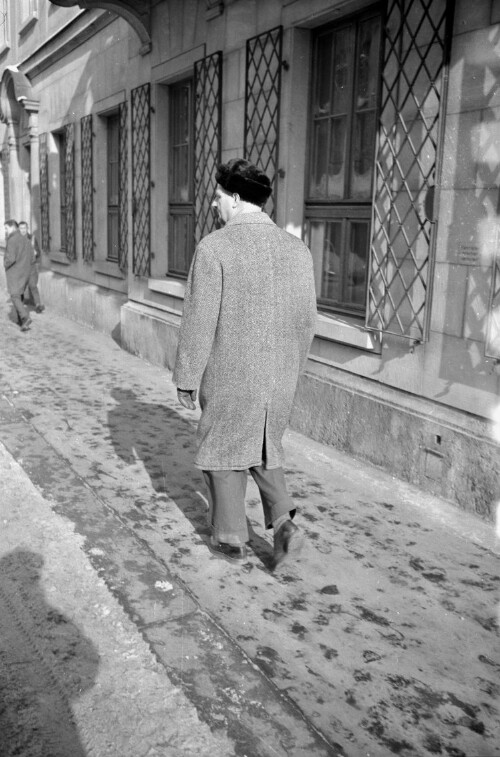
60	137
177	207
346	209
113	118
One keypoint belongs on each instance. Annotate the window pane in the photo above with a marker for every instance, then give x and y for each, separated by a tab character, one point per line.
113	234
336	163
181	242
181	173
181	142
357	261
113	160
363	155
365	102
368	63
343	53
323	88
330	234
319	163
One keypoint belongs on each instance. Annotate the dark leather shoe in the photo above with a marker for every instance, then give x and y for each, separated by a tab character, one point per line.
228	552
26	323
287	542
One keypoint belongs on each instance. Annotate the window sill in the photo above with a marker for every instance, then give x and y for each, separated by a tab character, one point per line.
348	331
59	257
172	287
108	268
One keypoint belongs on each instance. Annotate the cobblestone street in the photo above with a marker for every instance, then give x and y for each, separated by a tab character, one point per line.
122	635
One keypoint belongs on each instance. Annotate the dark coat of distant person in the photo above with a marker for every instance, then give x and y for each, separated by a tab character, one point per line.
18	258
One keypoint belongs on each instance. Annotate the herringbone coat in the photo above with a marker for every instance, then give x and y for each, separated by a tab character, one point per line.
248	322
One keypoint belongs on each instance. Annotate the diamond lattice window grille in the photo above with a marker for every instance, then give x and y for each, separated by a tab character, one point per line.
87	189
406	169
141	214
492	347
69	159
262	104
207	140
123	179
44	192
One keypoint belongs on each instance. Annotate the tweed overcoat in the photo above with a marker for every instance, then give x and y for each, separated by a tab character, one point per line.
248	322
17	261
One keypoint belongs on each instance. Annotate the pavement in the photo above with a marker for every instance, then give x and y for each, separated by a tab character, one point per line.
121	634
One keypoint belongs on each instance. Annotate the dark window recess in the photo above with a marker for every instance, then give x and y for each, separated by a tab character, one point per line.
181	200
61	139
113	187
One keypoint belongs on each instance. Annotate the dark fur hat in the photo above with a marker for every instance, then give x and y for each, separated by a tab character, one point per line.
239	176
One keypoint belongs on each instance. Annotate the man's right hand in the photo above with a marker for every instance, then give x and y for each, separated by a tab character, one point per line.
187	398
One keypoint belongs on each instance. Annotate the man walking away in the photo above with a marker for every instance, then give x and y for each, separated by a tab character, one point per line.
17	261
33	279
248	322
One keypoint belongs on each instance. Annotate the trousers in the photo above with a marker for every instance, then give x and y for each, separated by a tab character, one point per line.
33	284
19	306
227	501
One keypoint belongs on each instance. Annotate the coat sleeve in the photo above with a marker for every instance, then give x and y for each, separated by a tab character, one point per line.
10	255
199	318
310	315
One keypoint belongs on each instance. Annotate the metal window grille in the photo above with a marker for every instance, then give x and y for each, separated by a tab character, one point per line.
44	192
492	347
207	140
87	189
69	190
262	104
123	179
141	180
406	170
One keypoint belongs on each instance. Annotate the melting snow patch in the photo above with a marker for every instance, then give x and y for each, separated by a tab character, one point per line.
163	586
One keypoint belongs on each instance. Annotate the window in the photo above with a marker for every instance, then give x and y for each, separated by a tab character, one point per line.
343	126
113	186
64	142
181	209
62	149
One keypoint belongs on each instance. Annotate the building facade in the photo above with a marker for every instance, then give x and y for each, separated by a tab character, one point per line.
379	125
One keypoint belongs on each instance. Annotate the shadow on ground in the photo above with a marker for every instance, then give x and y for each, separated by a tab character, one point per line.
45	662
165	443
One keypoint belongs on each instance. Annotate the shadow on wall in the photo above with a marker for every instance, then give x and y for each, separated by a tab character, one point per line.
45	663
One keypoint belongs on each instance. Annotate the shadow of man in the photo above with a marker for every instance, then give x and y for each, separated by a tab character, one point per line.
166	444
45	662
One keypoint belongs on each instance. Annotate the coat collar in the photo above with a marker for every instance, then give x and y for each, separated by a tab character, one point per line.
250	218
